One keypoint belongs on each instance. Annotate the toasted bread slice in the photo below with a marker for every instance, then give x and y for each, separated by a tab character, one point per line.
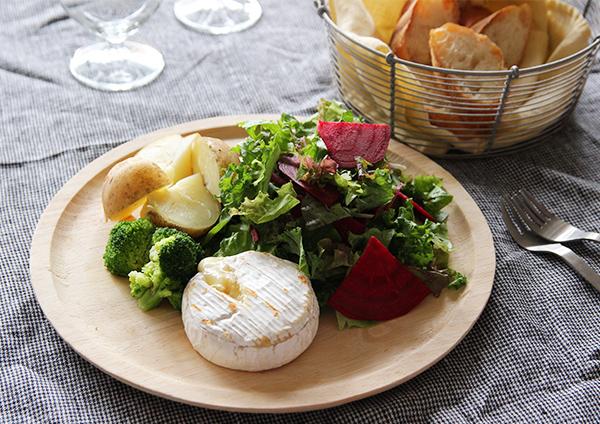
411	37
457	47
509	28
471	14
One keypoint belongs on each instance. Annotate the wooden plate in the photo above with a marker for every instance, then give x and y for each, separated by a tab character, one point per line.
93	312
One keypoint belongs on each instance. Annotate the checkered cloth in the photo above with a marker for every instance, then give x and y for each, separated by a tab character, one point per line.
534	355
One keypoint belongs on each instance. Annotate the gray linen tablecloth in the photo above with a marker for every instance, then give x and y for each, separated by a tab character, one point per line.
533	356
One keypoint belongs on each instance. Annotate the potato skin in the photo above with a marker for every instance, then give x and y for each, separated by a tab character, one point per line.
127	183
225	155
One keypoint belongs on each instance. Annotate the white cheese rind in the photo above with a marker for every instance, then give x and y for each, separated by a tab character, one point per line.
251	311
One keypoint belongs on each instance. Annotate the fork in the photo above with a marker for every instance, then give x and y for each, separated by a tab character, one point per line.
530	241
546	224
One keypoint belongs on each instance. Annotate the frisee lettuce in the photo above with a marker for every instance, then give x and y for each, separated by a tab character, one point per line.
429	192
263	209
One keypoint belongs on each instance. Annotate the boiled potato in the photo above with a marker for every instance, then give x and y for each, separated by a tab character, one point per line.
223	151
162	151
128	183
186	205
206	163
173	154
181	166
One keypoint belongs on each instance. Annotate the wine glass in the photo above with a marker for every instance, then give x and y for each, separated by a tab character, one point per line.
218	16
114	64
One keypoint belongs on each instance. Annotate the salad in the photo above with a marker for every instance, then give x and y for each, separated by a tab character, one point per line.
320	193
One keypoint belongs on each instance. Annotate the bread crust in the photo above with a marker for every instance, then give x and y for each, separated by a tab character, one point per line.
470	14
458	47
509	28
454	46
410	39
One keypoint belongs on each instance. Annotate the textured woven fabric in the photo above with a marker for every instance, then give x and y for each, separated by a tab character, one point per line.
533	356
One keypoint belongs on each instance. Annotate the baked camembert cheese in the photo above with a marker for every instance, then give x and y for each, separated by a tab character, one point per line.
252	311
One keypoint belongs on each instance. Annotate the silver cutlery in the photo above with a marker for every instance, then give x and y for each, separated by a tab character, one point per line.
545	223
530	241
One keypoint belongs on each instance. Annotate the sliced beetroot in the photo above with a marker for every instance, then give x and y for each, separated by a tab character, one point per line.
378	287
420	210
326	195
349	225
346	141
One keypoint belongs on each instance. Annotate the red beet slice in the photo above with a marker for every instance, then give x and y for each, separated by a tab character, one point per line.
326	195
378	287
346	141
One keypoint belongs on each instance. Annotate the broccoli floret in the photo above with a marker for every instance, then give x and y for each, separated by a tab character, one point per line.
177	256
164	232
128	246
173	262
151	286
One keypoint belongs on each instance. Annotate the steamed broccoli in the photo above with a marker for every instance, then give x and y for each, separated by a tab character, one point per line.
164	232
128	246
172	263
151	286
177	256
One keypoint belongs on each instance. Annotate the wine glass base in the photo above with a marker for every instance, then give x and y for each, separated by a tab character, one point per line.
116	67
218	16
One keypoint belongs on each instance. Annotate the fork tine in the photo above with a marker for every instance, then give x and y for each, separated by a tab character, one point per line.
506	216
533	213
545	213
526	214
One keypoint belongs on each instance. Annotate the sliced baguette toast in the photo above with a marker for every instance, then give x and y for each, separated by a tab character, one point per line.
411	37
454	46
509	28
471	14
458	47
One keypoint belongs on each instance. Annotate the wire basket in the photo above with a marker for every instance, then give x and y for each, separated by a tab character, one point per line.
452	113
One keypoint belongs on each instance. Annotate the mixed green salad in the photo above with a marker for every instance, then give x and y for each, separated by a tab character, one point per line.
288	196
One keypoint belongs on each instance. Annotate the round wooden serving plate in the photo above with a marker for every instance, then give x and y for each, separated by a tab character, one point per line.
93	312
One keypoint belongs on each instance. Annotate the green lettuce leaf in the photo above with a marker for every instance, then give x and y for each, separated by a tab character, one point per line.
263	209
457	280
417	244
347	323
428	191
317	215
365	190
359	241
332	111
239	240
292	241
259	153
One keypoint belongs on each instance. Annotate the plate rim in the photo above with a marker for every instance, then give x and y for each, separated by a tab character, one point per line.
41	270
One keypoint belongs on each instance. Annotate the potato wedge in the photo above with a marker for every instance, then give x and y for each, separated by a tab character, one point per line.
128	183
206	163
181	166
186	205
225	155
173	154
162	151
